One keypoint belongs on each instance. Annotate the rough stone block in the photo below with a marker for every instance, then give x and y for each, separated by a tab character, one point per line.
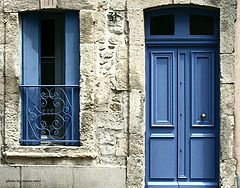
12	28
227	137
100	177
76	5
12	111
121	68
102	96
117	26
136	115
47	176
12	128
118	4
135	171
1	61
227	29
142	4
136	144
20	5
227	99
112	142
12	51
88	58
12	47
137	67
112	160
1	141
1	5
12	64
87	26
87	127
10	177
102	5
136	27
227	68
228	173
122	145
87	70
215	3
101	26
48	4
107	149
107	120
1	27
106	137
86	93
182	1
1	82
227	3
227	40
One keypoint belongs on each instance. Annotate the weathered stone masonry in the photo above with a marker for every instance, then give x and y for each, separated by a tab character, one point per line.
112	96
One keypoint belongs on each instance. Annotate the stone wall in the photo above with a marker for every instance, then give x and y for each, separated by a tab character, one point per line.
112	96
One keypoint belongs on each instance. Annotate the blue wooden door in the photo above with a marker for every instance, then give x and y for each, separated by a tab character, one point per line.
182	140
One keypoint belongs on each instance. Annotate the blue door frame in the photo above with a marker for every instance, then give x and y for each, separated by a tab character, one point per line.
182	106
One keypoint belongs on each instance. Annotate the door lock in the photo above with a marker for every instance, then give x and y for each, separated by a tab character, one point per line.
203	116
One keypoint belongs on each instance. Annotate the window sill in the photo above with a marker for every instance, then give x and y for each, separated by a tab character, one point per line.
51	151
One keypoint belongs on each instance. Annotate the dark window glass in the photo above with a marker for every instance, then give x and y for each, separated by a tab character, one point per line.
52	65
47	37
51	74
162	25
47	52
201	25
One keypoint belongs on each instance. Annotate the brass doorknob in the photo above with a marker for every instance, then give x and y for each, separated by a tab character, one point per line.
203	116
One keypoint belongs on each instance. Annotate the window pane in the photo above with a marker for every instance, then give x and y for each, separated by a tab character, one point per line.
47	73
47	51
47	37
201	25
162	25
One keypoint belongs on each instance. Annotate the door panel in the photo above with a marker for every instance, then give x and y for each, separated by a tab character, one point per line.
162	162
182	128
203	157
162	97
202	88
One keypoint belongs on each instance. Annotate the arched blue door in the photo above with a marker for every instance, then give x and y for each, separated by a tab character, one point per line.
182	87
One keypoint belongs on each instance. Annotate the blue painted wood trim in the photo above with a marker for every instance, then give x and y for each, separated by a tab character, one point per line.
48	85
156	135
30	71
72	69
30	48
179	42
72	51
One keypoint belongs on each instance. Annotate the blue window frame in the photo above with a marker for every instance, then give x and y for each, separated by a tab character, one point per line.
50	78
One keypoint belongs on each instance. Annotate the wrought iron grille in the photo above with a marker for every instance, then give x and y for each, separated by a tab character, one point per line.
49	113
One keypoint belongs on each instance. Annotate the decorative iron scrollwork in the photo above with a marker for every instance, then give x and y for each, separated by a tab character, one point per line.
48	111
